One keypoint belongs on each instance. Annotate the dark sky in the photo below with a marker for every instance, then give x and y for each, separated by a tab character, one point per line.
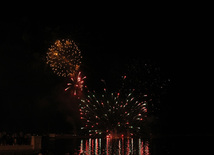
31	95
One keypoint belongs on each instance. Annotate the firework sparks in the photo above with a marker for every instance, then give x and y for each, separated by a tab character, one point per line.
64	57
146	77
121	112
112	113
76	85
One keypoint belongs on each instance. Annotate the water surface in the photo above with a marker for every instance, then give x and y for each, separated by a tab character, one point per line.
170	145
98	146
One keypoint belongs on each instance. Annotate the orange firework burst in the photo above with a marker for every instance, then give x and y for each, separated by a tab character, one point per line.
64	57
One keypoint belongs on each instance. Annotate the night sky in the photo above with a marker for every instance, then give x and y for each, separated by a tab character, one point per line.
33	98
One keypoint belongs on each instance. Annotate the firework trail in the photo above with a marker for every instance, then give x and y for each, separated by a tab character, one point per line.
64	57
112	113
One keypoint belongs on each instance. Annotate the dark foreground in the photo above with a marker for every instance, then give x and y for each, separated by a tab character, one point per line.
162	145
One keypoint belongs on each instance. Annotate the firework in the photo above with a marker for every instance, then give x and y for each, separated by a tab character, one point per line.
112	113
64	57
76	85
146	78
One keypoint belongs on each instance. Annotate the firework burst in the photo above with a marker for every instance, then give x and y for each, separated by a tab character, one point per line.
112	113
76	85
146	77
64	57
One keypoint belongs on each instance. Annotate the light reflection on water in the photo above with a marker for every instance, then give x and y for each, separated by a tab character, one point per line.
108	146
129	146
